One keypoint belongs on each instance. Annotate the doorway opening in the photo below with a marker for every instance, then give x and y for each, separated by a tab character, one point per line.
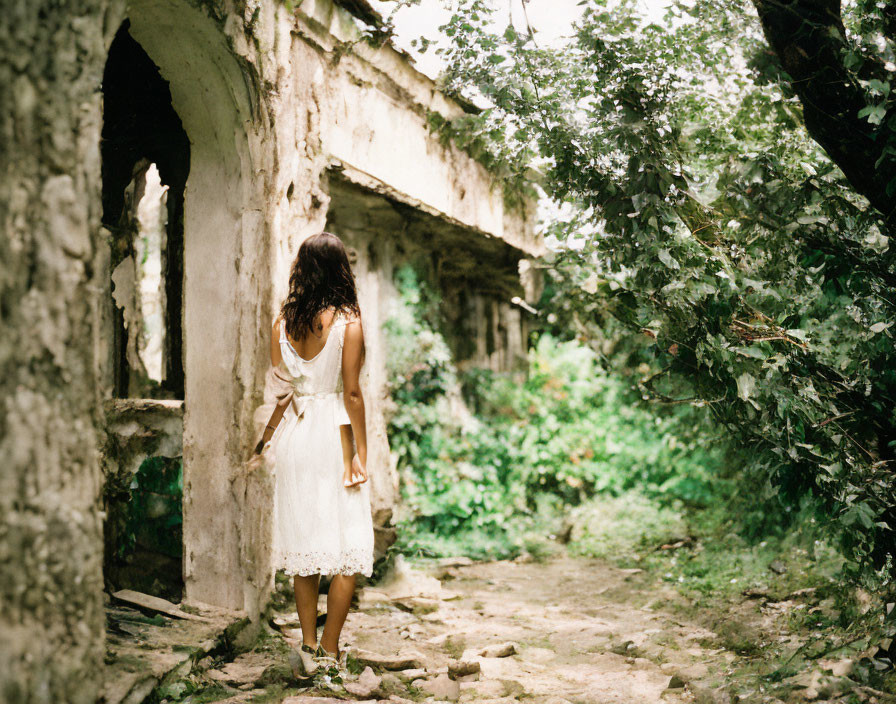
145	163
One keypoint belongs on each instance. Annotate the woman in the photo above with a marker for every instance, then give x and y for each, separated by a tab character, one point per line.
322	519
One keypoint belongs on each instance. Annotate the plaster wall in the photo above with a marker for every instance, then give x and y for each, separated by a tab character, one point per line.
387	144
224	246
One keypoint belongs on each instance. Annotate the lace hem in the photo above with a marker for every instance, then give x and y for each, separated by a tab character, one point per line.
354	561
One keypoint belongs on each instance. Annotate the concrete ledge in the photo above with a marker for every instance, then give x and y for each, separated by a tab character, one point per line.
530	246
121	406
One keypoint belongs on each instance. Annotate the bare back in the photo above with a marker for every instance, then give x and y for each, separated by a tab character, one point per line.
312	344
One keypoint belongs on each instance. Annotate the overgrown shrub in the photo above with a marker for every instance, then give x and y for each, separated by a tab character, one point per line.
530	451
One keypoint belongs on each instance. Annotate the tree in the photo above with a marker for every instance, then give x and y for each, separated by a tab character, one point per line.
710	223
843	81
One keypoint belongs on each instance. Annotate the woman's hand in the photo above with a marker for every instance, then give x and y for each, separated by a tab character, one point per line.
262	446
354	474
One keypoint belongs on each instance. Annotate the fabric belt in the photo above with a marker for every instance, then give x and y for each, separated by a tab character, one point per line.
300	403
285	393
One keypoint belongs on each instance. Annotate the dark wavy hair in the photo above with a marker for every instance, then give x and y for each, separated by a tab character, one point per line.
321	278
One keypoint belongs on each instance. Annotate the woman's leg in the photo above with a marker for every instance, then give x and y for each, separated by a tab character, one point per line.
306	589
339	598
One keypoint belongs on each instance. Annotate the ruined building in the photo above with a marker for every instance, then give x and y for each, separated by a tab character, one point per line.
163	160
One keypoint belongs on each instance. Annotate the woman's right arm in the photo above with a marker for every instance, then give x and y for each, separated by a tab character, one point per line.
275	360
275	343
352	359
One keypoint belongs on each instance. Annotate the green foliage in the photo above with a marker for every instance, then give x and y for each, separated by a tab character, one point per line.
532	449
870	55
154	512
467	133
705	221
622	528
570	448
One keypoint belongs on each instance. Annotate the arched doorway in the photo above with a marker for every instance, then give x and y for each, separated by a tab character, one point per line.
145	164
146	160
214	201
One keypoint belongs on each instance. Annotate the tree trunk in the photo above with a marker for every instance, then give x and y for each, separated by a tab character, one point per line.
809	38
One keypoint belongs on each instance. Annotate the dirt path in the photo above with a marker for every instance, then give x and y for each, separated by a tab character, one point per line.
574	638
581	630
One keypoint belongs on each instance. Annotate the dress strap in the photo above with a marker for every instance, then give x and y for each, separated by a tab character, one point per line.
345	318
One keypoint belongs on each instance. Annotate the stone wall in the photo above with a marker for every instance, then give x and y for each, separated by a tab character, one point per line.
52	257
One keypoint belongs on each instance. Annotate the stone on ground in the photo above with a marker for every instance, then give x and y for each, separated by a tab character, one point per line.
441	687
403	581
367	684
401	661
477	691
502	650
460	668
302	699
413	674
460	561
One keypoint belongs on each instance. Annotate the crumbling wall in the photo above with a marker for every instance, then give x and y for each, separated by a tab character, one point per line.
141	437
144	145
52	255
484	284
270	101
387	145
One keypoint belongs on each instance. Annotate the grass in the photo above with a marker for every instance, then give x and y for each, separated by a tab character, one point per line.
454	646
724	578
623	528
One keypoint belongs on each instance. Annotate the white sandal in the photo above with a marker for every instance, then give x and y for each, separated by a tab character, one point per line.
303	662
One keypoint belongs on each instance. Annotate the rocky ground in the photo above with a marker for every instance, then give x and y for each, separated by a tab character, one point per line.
560	631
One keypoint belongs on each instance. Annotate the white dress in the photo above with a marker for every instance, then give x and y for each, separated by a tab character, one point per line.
320	526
